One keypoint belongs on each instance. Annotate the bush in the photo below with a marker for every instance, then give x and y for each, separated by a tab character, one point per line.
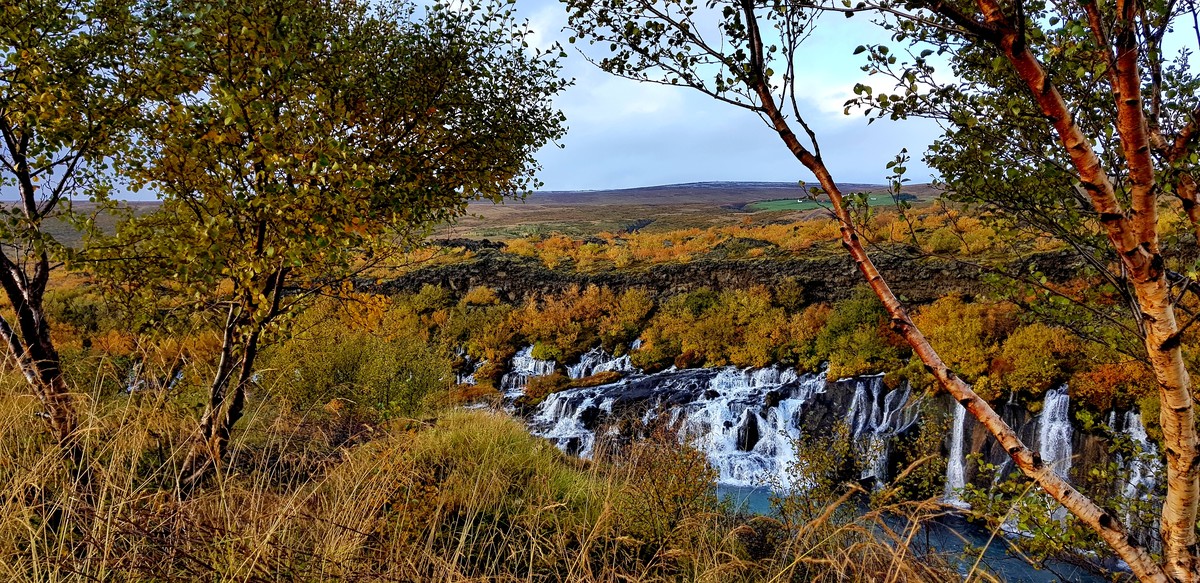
601	378
379	360
667	485
1036	358
1113	384
944	241
562	327
538	388
705	328
966	335
856	338
799	347
480	295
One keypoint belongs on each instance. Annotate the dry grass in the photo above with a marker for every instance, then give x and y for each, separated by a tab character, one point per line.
468	496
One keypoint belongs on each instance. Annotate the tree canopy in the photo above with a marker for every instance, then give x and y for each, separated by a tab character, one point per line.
310	140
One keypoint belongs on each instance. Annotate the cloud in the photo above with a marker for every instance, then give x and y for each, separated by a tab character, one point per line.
626	134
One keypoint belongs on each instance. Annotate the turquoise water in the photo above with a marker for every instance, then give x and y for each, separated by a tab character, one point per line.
949	536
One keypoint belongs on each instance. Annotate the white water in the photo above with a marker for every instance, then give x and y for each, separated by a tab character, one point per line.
1054	432
468	378
746	442
597	360
1143	468
524	367
875	415
746	421
955	467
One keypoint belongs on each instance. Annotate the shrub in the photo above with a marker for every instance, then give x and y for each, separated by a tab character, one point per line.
667	485
539	388
705	328
1036	358
381	360
480	295
800	342
624	319
601	378
1112	384
856	338
966	335
944	241
564	326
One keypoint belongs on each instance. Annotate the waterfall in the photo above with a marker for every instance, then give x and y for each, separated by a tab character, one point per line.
745	420
469	377
748	443
859	411
598	360
1054	432
524	366
955	467
1145	465
876	415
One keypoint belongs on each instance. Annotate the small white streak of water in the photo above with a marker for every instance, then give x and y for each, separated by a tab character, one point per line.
955	466
1054	432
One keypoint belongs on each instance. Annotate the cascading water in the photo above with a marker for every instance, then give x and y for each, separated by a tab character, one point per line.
524	367
874	417
745	421
955	467
1054	432
597	360
468	378
749	443
1143	468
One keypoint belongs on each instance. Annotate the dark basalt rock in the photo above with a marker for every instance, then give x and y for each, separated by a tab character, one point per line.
590	417
747	434
772	400
824	279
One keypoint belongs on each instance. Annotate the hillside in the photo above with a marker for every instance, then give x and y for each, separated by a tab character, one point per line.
674	206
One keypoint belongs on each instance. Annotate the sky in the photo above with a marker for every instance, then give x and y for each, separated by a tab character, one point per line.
625	134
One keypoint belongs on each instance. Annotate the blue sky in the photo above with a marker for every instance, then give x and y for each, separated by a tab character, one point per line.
626	134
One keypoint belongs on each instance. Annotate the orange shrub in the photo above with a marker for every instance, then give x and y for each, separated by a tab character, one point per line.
539	388
1119	384
480	295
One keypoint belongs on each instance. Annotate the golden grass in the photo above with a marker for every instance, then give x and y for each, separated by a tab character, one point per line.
465	496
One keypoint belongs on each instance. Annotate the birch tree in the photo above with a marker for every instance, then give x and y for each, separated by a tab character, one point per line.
744	53
69	91
313	138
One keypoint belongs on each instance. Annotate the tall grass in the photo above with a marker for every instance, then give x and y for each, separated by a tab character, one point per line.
463	496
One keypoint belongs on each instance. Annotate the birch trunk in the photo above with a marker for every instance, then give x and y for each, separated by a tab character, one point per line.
1136	241
1100	521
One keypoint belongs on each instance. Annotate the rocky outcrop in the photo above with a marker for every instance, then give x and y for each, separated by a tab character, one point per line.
824	278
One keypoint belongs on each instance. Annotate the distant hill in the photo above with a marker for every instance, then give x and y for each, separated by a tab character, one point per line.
586	212
670	206
715	193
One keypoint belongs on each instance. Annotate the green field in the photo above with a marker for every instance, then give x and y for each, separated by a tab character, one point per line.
792	204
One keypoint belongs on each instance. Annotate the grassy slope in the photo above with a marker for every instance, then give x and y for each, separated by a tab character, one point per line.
468	496
657	208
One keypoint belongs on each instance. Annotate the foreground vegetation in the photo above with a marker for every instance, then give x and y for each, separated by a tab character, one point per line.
356	463
455	496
